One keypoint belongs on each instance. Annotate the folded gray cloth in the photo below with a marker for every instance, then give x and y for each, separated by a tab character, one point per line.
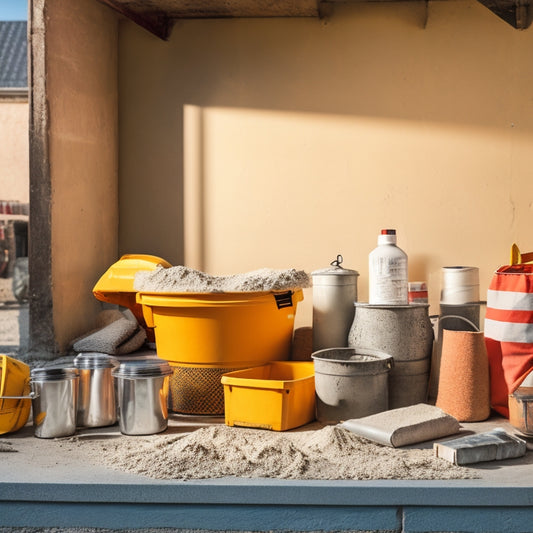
116	335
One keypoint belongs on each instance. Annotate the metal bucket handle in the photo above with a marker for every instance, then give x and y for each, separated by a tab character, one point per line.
29	397
469	322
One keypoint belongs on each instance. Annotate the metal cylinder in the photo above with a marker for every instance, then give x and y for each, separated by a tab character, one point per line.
142	388
334	293
97	406
54	403
405	332
350	383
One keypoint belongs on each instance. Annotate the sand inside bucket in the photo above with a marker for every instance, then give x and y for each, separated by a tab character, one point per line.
184	279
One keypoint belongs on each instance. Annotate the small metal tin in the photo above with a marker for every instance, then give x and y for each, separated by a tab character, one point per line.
54	403
97	406
142	387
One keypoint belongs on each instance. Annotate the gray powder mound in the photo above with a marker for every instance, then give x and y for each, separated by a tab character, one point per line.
221	451
184	279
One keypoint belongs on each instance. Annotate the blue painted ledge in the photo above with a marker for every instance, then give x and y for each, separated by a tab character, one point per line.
39	488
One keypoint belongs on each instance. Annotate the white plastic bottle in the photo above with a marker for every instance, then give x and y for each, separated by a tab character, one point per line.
387	272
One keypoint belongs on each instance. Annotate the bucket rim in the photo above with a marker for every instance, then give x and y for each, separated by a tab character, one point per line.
380	357
217	299
217	294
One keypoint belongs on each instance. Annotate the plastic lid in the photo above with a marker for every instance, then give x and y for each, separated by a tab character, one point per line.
95	360
120	276
387	236
53	373
144	368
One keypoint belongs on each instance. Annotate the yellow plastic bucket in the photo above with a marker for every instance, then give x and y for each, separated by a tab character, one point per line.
222	329
15	399
205	335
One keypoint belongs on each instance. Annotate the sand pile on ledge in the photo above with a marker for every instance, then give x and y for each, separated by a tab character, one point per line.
184	279
219	451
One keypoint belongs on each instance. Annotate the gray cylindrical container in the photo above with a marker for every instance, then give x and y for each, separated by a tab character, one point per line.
142	388
406	333
97	406
334	293
350	383
54	403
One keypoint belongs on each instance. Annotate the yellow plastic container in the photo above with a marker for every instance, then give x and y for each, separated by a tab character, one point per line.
14	383
236	330
116	284
277	396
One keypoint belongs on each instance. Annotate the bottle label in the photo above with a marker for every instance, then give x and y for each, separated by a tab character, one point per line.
388	283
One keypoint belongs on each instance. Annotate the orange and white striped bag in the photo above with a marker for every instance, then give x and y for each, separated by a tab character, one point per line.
509	332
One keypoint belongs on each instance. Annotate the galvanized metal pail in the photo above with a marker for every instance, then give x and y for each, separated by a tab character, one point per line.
350	383
142	388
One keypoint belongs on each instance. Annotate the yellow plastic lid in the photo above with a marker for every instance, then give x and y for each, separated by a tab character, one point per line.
119	277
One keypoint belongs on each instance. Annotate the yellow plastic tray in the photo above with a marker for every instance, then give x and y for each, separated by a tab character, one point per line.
277	396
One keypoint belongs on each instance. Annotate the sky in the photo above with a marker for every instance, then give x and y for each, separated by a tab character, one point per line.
13	9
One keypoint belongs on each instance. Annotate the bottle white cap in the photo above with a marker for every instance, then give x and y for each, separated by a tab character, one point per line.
387	236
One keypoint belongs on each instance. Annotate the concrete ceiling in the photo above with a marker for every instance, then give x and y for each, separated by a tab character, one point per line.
158	16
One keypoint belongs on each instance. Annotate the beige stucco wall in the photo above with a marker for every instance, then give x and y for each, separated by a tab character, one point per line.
81	65
14	165
293	140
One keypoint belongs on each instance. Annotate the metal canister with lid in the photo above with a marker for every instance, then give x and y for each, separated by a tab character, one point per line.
97	406
54	402
142	388
334	294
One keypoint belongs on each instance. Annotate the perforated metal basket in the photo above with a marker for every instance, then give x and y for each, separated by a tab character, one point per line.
197	390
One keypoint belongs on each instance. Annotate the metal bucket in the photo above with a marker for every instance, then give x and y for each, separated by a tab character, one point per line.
405	332
142	388
54	401
350	383
97	406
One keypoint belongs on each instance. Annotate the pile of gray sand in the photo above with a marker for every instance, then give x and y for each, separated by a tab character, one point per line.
220	451
185	279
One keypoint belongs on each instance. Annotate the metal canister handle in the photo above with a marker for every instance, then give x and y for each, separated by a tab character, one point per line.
29	397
